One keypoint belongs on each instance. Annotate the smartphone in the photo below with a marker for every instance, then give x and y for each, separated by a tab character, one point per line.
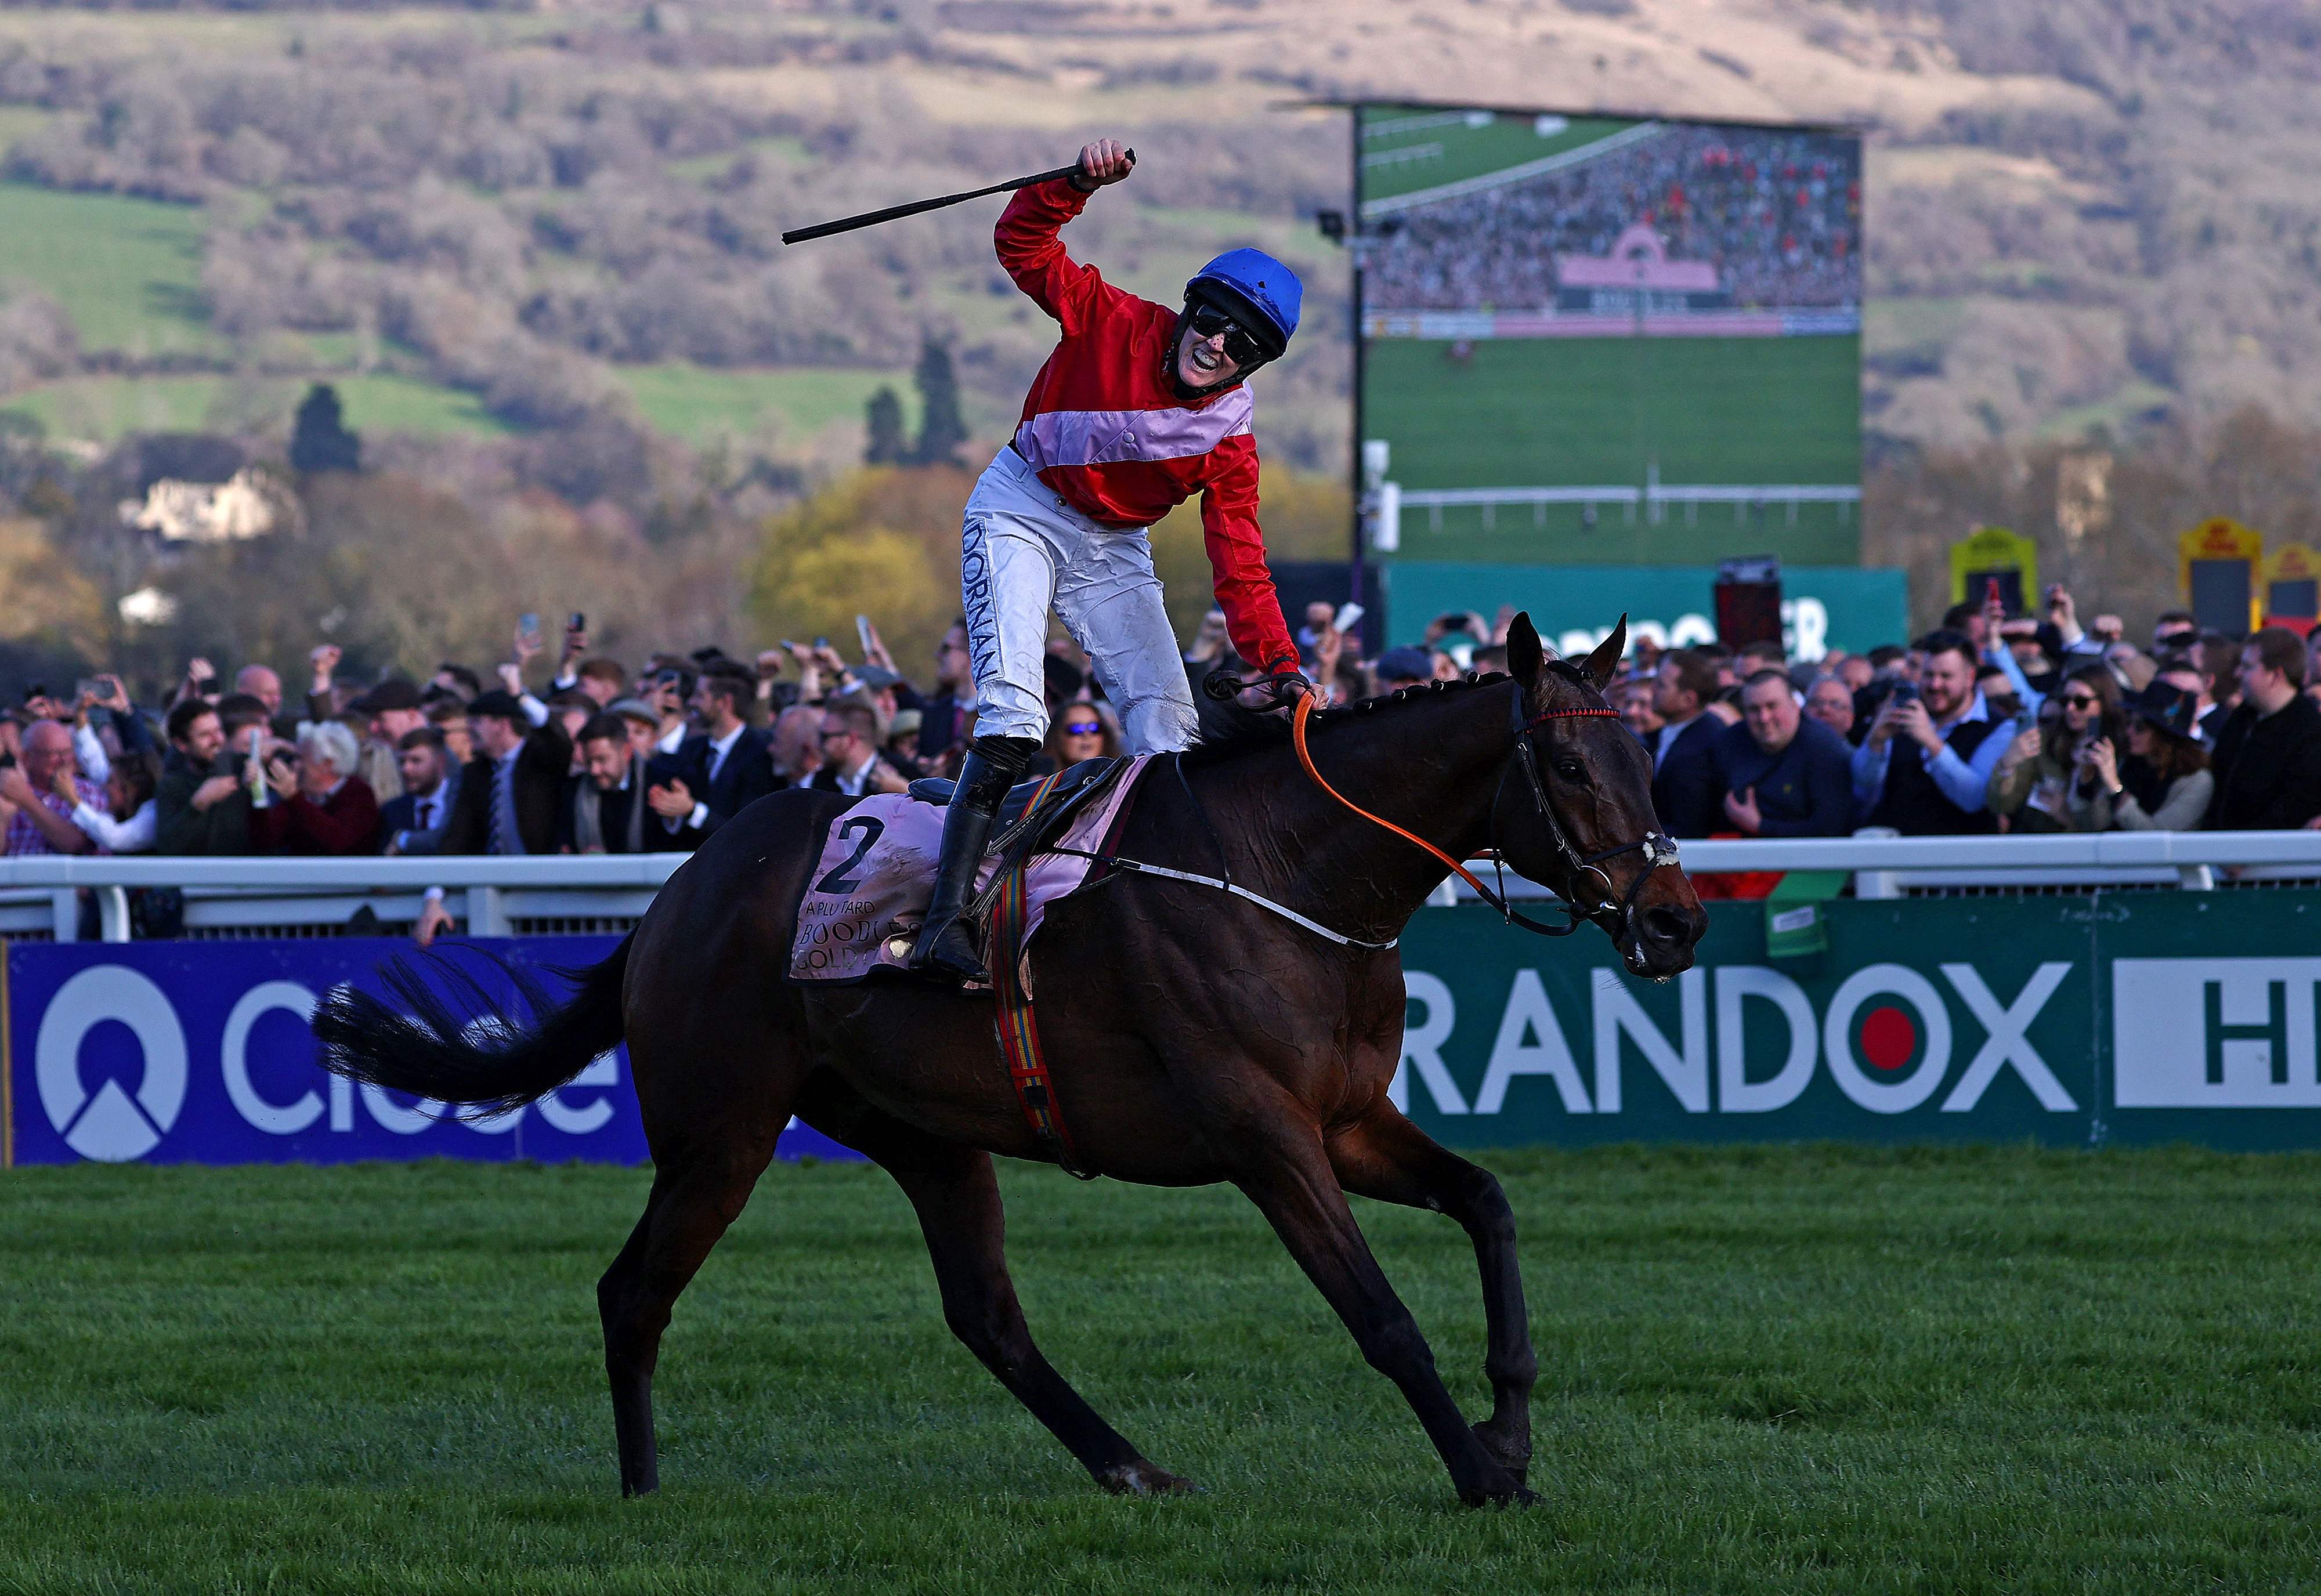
822	642
1905	693
528	623
862	635
1989	591
1348	617
578	622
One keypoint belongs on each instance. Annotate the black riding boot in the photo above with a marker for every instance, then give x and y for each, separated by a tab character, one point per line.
993	764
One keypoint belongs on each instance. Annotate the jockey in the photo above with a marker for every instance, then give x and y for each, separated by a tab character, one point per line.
1140	407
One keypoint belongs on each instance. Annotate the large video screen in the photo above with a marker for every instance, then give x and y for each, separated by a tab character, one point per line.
1590	340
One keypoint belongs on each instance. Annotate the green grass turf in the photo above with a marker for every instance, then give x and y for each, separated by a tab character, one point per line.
128	271
699	404
1781	1370
1561	412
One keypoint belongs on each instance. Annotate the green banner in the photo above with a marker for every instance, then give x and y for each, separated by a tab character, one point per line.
2143	1017
1823	607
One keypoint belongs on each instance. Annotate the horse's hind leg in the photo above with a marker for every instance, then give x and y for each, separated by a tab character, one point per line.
696	1195
1387	1158
956	1196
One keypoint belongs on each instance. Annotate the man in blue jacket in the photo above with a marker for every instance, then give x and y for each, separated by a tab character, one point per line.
1783	774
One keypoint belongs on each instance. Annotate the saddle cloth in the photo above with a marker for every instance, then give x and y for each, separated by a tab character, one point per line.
869	890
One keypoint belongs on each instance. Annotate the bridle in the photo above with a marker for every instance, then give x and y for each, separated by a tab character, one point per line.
1611	910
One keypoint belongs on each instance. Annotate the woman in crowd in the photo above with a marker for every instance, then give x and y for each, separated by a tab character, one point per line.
2031	785
321	806
2163	785
1082	730
130	818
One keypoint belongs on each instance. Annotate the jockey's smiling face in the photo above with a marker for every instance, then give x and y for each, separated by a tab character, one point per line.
1202	362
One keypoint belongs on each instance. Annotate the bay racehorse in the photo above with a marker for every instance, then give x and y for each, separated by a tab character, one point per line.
1195	1036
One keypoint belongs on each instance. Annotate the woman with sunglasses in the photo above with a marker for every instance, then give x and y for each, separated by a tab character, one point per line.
2031	786
2163	785
1140	407
1082	731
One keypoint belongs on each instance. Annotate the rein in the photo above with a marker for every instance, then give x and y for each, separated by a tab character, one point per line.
1658	850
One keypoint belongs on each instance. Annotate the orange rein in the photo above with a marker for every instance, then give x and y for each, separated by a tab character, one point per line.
1305	757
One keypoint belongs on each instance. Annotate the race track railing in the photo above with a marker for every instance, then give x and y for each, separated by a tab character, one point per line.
41	896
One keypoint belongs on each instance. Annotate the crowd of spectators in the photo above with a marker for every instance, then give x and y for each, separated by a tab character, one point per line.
1778	214
1983	725
1988	725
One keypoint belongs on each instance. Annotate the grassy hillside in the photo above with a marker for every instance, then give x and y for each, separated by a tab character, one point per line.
128	271
2079	219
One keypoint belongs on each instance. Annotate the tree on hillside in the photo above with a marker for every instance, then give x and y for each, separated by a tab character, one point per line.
890	445
319	440
942	428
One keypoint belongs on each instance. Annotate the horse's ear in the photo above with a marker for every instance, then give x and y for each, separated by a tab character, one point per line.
1525	655
1609	653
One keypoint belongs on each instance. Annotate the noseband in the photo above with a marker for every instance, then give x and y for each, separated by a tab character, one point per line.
1657	849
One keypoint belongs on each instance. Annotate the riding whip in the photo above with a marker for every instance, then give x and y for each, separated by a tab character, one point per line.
822	229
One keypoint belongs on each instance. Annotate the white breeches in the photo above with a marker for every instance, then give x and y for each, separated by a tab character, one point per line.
1024	551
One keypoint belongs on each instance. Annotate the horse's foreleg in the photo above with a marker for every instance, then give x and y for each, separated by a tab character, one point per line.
956	1196
1387	1157
692	1203
1299	1194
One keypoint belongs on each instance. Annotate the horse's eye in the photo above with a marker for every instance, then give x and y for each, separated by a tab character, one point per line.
1570	770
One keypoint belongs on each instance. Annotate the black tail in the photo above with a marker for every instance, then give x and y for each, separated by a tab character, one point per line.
415	1040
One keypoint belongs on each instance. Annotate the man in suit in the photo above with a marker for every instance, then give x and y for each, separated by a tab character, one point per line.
509	793
720	768
417	822
603	805
1686	789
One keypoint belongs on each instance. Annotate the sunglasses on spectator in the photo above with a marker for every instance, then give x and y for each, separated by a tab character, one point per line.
838	735
2081	701
1083	729
1241	348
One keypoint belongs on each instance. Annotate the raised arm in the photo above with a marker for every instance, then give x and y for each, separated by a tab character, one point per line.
1034	257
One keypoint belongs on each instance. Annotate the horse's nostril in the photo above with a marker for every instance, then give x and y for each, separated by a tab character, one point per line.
1663	924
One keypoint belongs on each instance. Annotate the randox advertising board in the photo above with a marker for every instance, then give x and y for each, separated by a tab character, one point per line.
2134	1017
199	1053
2139	1017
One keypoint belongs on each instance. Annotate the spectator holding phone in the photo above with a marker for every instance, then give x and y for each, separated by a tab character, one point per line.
2163	785
1923	769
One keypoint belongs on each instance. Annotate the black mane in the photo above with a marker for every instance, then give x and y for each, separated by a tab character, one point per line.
1246	731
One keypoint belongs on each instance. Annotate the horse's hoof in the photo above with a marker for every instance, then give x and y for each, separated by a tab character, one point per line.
1145	1479
1515	1456
1507	1491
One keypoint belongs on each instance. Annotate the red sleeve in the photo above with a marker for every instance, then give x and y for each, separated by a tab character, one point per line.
1034	256
1236	548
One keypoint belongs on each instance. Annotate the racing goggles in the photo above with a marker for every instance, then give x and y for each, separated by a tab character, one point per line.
1242	347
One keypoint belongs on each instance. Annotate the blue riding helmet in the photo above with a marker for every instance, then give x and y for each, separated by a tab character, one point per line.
1261	293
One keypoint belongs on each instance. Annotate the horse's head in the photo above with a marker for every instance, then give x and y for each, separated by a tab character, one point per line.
1581	820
